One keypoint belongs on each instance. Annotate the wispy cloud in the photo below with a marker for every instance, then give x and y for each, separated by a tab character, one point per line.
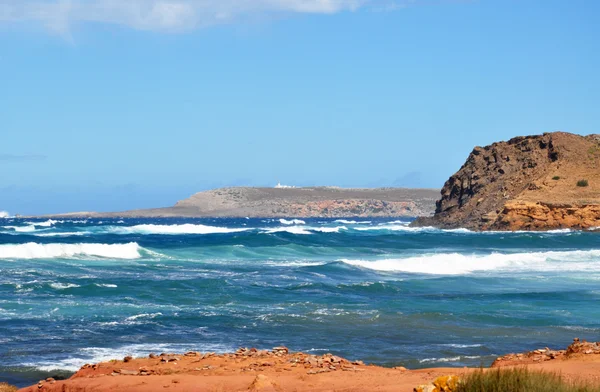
22	157
166	15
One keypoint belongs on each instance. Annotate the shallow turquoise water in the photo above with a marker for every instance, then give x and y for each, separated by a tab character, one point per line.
73	292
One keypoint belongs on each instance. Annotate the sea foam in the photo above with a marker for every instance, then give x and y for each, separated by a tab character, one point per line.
47	223
187	228
34	250
104	354
290	229
352	222
460	264
291	222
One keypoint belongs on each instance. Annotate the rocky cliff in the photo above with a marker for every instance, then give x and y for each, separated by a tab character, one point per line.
542	182
323	202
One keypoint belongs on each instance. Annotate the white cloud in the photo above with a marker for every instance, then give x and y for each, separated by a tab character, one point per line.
163	15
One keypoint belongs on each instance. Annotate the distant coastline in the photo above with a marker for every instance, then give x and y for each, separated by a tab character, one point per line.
287	202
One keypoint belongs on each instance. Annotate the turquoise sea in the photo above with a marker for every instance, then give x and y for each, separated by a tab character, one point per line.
80	291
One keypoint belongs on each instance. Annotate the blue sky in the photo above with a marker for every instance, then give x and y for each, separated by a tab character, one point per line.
111	105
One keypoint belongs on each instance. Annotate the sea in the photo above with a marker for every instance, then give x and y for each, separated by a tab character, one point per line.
79	291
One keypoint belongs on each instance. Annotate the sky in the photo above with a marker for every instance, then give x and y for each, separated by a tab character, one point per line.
110	105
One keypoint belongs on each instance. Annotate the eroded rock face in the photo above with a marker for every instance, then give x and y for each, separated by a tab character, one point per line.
526	183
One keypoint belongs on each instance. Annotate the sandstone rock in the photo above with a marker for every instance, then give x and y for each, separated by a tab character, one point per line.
441	384
127	358
446	383
126	372
425	388
280	350
170	358
263	384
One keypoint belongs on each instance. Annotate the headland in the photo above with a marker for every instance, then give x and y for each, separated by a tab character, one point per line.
542	182
289	202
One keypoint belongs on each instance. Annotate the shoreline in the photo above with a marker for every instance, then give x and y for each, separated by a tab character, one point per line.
250	369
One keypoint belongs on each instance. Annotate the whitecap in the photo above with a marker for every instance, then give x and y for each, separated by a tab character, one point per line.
460	264
291	229
34	250
454	345
63	234
352	222
396	227
63	286
292	222
328	229
47	223
450	359
22	229
103	354
187	228
143	315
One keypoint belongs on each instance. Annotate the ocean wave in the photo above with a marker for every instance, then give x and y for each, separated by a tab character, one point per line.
48	223
450	359
103	354
21	229
143	315
304	229
34	250
63	286
454	345
187	228
63	234
395	222
106	285
352	222
460	264
328	229
4	214
292	222
290	229
404	226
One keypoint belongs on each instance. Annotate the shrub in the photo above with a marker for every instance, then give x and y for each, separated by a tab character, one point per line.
4	387
518	380
556	178
582	183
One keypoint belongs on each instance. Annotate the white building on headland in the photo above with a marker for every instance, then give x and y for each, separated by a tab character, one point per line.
279	186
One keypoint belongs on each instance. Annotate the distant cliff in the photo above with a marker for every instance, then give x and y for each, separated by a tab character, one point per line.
325	202
543	182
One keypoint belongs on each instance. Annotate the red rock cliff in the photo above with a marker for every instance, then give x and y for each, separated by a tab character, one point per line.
527	183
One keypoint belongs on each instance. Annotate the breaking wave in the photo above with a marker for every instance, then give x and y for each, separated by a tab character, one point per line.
291	230
103	354
352	222
21	229
4	214
459	264
174	229
48	223
34	250
292	222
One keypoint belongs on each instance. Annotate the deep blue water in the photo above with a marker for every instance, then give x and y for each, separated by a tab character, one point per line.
73	292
